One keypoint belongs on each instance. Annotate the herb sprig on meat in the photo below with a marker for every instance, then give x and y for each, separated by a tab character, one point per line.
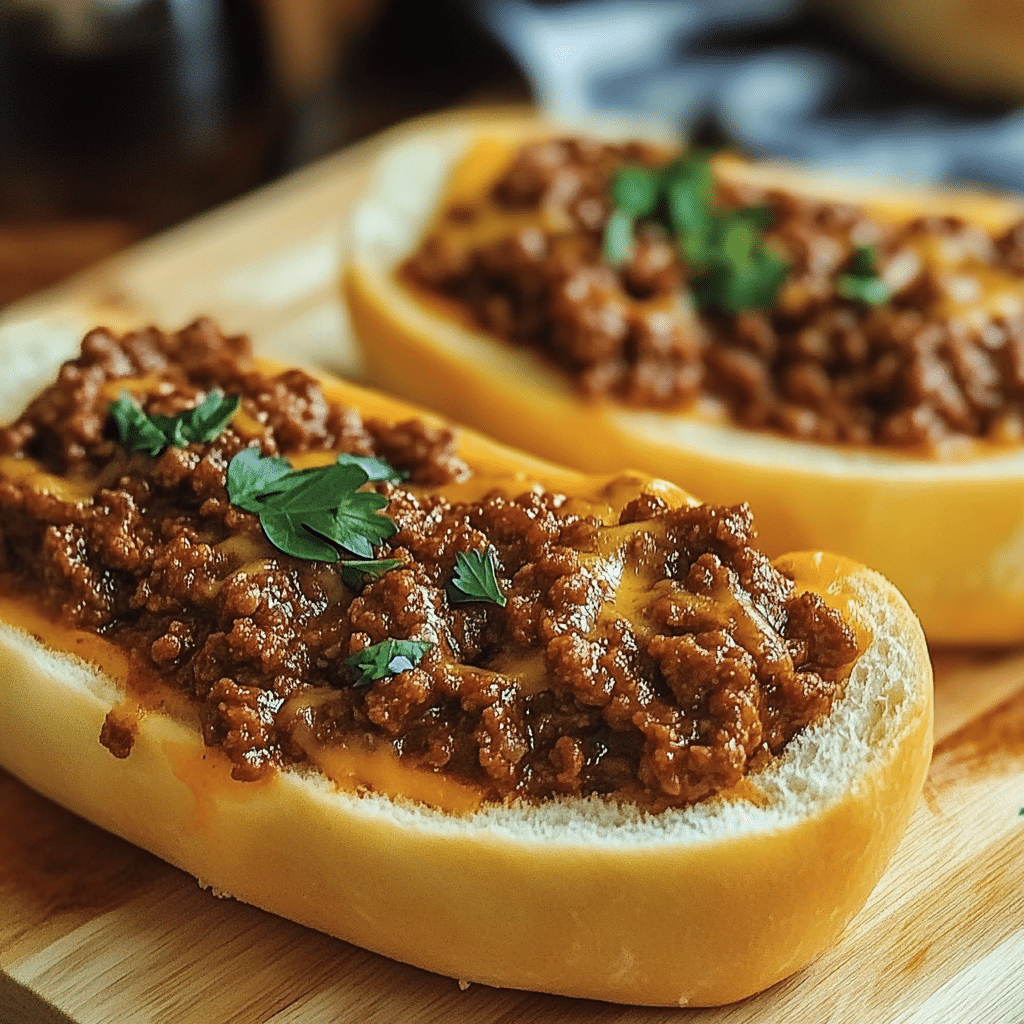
313	513
387	658
730	266
152	434
476	579
862	282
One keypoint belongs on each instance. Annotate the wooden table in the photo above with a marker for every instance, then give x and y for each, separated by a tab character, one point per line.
93	930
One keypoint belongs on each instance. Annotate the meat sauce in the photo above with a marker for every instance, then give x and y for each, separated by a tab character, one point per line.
941	359
646	650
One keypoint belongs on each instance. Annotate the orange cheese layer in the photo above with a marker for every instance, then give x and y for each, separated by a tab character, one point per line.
24	614
29	472
351	768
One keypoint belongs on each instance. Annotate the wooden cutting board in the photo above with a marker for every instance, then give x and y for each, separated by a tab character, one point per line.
94	931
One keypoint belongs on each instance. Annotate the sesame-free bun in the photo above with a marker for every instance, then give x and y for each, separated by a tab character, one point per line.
581	897
949	532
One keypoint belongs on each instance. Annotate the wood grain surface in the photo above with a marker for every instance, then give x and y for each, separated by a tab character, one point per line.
95	931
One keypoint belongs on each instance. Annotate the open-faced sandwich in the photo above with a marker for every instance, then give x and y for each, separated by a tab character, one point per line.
849	361
506	722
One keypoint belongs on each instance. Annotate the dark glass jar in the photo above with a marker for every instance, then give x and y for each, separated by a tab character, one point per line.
141	110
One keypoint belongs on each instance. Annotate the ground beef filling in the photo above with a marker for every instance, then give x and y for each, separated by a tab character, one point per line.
655	658
931	364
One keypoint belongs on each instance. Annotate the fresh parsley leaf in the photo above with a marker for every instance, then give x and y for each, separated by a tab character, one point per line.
310	513
759	217
688	193
737	241
376	468
288	533
355	573
352	521
862	262
152	434
387	658
252	475
476	578
137	431
861	282
202	423
635	190
729	265
617	243
733	284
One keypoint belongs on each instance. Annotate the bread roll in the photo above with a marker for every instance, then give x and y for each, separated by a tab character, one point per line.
947	530
583	897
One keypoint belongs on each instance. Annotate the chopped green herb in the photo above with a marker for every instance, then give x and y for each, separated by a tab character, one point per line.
387	658
730	266
152	434
137	431
355	573
862	262
476	578
376	467
636	189
743	278
310	513
251	475
861	282
688	189
617	245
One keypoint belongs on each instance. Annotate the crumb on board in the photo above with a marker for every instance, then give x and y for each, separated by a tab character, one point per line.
221	894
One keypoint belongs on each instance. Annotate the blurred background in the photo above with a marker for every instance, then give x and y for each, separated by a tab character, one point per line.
122	117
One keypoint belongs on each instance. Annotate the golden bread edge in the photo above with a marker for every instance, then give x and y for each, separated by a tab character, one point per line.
704	923
660	921
958	558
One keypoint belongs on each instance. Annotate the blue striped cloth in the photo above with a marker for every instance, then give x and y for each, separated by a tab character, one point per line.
766	77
